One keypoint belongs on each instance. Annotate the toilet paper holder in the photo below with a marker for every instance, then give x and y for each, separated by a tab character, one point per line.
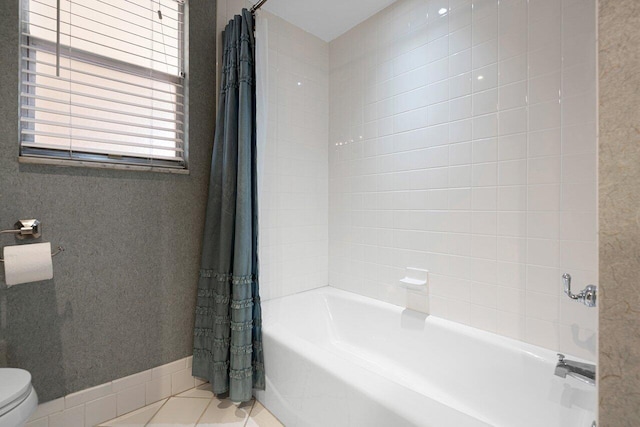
27	229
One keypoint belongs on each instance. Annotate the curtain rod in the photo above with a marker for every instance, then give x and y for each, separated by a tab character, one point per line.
258	5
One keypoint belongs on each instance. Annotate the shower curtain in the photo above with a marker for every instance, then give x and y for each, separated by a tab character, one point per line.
227	337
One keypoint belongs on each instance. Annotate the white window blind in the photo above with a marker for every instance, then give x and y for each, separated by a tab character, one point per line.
103	81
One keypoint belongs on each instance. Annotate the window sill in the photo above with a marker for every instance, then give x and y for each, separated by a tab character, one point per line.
99	165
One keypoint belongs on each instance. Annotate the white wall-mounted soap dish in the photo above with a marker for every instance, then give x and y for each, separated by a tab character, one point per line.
415	278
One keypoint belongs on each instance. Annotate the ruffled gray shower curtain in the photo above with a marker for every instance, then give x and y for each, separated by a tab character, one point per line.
227	338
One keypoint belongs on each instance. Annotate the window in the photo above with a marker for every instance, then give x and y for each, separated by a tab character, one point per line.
103	81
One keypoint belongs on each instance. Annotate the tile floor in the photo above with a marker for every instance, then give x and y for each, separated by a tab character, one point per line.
197	407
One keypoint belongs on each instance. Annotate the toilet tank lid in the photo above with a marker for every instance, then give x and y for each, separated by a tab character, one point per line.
14	383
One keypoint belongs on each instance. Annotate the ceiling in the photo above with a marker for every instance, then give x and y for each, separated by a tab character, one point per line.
326	19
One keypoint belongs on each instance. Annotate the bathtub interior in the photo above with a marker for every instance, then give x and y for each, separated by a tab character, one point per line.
493	379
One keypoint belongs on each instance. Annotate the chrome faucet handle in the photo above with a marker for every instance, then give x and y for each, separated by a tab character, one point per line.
566	280
588	296
560	357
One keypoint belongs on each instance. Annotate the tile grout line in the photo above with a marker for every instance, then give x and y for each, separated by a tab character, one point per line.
156	412
205	411
250	412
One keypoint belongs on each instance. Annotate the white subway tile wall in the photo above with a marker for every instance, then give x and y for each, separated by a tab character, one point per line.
294	187
294	199
463	141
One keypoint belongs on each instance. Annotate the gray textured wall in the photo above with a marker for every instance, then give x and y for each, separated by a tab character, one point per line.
123	294
619	195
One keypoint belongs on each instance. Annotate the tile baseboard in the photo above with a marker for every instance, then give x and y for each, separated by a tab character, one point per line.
87	408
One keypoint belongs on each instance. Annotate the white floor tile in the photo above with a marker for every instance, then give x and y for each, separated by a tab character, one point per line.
197	407
260	417
137	418
225	413
202	391
180	412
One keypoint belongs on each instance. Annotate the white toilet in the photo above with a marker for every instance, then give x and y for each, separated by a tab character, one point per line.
18	399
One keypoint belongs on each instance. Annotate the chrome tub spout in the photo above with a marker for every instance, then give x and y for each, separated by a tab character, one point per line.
585	372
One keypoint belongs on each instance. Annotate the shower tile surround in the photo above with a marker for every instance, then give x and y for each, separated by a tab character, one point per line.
294	210
463	141
294	218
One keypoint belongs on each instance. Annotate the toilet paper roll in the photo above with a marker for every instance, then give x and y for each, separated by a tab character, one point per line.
27	263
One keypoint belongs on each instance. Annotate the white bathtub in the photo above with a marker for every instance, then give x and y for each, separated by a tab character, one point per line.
338	359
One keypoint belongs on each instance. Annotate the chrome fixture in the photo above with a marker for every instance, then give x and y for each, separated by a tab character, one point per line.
257	6
585	372
28	229
587	296
25	229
